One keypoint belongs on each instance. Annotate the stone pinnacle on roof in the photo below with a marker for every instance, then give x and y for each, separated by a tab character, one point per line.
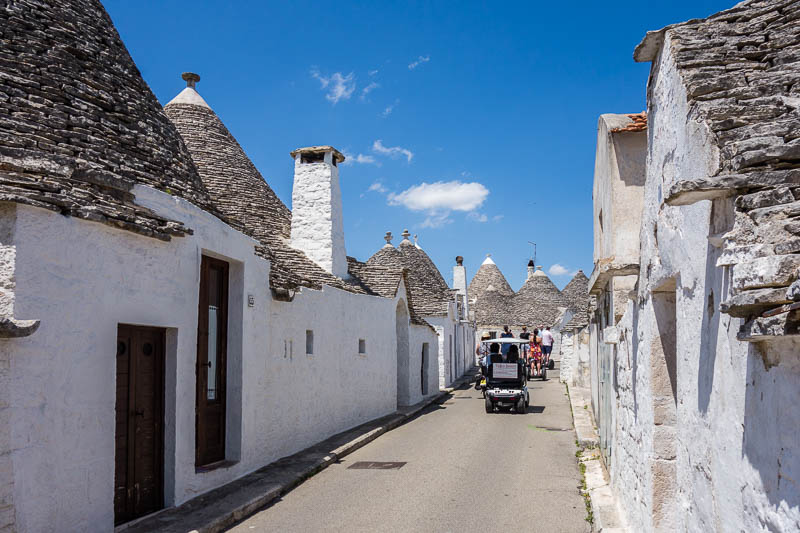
190	78
189	94
388	238
405	236
488	260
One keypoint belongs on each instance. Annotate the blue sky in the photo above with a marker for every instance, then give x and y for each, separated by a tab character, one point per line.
471	124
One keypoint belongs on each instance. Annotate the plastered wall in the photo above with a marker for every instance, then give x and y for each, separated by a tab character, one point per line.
701	443
57	401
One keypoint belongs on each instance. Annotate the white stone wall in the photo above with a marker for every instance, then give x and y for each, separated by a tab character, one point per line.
317	227
417	336
82	279
718	454
463	347
618	180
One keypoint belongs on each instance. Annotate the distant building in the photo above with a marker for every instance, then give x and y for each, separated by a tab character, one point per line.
537	304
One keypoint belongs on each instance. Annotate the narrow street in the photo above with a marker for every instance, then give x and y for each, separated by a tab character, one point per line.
463	469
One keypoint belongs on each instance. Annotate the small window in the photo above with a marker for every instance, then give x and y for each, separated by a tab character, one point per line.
309	342
362	346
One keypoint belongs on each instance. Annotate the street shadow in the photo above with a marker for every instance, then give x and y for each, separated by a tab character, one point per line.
535	409
771	419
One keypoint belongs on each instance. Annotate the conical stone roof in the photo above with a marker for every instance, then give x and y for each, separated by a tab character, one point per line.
430	293
79	127
240	193
576	294
538	301
488	275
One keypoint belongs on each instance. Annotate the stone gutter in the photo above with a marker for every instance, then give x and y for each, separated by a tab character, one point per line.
605	511
224	506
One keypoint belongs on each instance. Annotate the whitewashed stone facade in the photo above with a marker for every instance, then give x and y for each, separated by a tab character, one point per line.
699	427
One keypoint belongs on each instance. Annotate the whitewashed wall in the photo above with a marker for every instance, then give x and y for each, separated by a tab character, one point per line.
463	349
417	336
57	399
724	453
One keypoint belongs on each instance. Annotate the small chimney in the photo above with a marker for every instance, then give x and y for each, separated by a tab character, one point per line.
531	269
460	282
317	227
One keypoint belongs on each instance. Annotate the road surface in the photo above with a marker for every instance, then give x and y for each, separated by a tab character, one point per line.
464	470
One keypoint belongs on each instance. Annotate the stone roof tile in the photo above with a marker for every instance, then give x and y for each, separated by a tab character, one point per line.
430	293
79	127
741	72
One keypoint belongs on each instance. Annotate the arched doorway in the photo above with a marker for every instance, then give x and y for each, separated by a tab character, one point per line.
401	328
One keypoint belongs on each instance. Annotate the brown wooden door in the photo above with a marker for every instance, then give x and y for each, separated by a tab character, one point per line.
139	467
212	344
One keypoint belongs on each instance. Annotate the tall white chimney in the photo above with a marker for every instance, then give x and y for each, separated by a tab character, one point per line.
317	227
531	269
460	282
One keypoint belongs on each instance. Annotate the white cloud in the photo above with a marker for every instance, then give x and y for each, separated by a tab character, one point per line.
373	72
497	218
442	196
558	270
479	217
388	111
339	87
360	159
420	60
377	187
391	151
436	220
368	89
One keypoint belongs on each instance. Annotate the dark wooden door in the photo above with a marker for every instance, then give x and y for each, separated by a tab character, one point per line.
139	467
212	344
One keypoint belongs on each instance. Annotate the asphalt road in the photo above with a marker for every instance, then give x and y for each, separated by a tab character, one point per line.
464	470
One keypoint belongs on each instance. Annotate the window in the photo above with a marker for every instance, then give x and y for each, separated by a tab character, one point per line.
362	346
309	342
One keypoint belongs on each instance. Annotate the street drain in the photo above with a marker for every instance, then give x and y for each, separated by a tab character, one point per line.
376	465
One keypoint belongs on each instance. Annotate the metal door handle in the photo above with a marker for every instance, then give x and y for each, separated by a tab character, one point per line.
207	364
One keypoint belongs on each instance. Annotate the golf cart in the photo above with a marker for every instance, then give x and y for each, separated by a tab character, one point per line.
506	387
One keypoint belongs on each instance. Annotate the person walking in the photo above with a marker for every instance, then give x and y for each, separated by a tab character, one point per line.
536	354
547	345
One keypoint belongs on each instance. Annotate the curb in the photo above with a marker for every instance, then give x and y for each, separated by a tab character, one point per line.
605	514
224	506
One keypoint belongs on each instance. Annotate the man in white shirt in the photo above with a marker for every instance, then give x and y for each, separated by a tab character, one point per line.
547	344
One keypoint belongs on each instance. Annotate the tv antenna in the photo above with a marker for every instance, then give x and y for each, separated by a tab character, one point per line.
533	252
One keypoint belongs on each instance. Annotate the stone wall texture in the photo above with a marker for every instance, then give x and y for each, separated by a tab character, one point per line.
78	125
696	425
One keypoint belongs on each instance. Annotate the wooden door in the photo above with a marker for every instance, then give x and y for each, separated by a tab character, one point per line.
212	344
139	466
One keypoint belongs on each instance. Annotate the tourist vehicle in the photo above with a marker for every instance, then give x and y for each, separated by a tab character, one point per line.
506	386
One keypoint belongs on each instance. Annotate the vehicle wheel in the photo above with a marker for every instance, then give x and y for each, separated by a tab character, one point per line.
489	406
521	405
544	373
552	364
